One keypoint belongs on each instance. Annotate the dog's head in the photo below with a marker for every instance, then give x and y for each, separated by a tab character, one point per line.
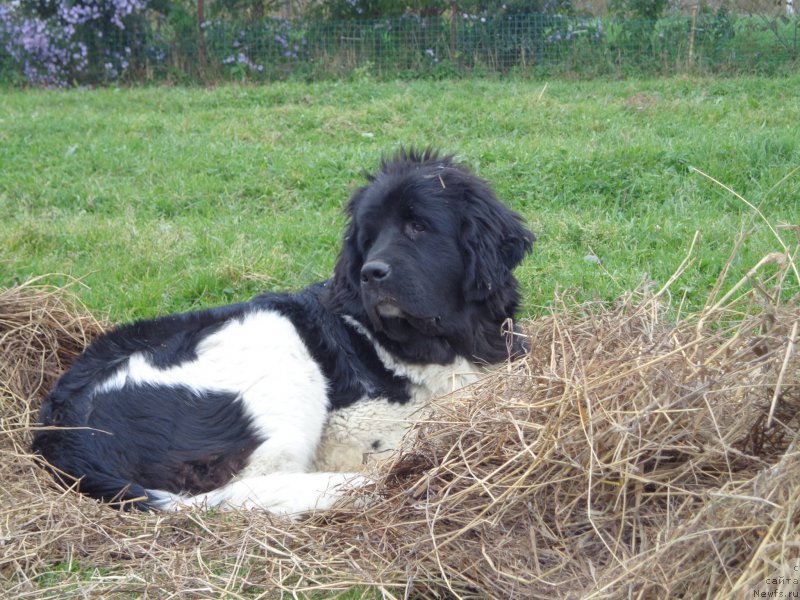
427	261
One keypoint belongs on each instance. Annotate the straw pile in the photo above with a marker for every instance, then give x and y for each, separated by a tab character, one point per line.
636	453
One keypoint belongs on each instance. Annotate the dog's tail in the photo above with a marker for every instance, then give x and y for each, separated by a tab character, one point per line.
277	493
98	483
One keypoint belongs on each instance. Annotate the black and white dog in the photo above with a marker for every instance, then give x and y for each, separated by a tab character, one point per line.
273	403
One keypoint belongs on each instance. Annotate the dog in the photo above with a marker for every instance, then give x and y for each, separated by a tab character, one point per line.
273	403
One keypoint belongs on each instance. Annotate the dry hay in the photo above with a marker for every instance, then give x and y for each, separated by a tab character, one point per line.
41	332
635	453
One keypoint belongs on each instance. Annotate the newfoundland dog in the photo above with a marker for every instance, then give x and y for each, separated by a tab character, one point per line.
274	403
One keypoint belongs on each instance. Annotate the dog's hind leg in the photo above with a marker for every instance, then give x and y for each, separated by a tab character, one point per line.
277	493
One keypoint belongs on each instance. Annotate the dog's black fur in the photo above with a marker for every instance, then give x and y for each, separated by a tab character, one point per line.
425	269
452	247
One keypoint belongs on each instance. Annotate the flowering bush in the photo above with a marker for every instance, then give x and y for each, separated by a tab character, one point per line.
57	42
259	48
574	31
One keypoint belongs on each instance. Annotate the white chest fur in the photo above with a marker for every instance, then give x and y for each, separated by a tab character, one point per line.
371	429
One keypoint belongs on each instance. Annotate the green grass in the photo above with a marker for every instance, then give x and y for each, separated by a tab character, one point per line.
165	199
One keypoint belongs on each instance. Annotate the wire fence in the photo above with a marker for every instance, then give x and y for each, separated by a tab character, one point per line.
447	46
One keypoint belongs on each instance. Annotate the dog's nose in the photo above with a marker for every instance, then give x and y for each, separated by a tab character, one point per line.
375	271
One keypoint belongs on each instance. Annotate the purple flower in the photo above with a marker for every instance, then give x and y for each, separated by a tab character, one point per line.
48	48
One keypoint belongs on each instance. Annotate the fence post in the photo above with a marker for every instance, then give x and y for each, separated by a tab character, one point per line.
453	10
201	41
691	36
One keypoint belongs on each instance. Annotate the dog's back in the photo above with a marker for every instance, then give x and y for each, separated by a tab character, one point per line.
176	406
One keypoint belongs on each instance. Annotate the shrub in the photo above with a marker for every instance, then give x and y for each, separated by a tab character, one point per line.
58	42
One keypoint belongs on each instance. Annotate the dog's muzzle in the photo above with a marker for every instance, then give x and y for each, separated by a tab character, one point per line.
375	272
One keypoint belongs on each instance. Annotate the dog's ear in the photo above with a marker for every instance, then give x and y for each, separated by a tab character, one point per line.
345	287
494	241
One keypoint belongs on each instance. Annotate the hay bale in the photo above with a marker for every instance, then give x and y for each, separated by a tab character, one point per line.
631	454
42	330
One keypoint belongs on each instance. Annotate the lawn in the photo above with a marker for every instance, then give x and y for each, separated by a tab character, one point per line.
165	199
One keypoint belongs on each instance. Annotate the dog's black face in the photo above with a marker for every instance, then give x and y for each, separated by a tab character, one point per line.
407	243
427	262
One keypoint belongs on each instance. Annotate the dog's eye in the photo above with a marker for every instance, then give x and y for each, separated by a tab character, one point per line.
414	228
365	241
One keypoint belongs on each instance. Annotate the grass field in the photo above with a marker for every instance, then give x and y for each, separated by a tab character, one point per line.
164	199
